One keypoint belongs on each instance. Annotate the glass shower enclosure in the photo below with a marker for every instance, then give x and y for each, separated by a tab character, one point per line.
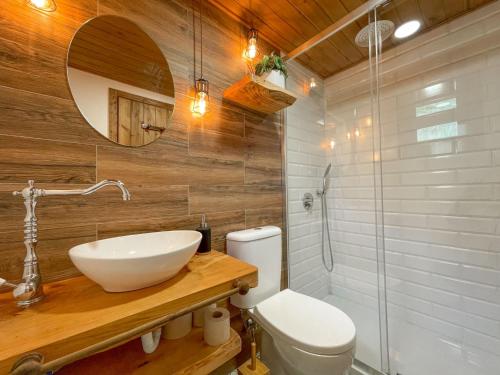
412	196
331	146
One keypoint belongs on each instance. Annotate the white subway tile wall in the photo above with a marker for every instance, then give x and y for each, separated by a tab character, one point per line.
305	164
440	123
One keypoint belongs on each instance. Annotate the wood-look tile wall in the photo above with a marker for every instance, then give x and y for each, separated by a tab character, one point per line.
227	165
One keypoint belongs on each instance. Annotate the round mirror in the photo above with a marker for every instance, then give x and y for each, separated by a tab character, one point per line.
120	81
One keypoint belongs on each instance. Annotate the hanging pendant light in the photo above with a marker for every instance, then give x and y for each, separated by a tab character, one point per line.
200	103
251	50
201	98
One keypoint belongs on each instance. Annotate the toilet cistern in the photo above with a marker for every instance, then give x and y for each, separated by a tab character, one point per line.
30	290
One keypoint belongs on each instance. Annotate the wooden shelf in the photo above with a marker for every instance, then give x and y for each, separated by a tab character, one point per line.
77	313
259	95
188	355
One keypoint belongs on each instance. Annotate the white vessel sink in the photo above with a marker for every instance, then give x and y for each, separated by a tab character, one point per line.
133	262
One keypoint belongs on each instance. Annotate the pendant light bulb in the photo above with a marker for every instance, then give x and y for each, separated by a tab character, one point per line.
200	103
251	51
43	5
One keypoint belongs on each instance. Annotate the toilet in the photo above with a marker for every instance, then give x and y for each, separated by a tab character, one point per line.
302	335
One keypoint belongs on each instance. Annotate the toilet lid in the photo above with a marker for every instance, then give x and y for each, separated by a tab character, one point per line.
306	323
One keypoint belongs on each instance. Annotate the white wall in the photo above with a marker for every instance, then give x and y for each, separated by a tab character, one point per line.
305	165
441	198
91	94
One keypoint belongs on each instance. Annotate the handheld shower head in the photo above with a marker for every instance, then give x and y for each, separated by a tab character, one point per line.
326	179
327	171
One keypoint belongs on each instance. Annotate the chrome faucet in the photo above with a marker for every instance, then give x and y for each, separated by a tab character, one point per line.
30	290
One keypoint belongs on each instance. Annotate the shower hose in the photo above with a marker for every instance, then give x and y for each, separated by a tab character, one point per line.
328	263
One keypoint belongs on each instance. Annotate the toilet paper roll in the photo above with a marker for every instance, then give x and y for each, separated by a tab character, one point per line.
216	329
199	315
177	328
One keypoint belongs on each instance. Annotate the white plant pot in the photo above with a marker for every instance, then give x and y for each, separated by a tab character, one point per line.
275	77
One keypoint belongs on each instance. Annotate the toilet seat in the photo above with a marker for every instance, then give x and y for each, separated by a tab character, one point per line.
306	323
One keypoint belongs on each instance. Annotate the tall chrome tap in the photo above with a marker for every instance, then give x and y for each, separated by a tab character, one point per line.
30	290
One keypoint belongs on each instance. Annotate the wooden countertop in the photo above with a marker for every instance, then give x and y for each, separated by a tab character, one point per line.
77	312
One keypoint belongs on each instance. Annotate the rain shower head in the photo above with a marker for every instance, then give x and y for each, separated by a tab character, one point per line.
385	27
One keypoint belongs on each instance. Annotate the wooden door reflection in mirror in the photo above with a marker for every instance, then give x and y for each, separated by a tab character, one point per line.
135	120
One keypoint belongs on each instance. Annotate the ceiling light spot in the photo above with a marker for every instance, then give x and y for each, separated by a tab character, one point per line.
407	29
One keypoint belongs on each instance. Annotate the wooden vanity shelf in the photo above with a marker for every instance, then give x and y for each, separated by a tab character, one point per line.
259	95
78	318
188	355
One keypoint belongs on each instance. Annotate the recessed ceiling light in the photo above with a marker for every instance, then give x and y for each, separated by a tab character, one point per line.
407	29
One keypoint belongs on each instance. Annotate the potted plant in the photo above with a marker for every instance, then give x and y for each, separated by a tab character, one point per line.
272	68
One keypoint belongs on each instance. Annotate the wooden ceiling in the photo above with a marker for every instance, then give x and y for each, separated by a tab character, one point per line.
118	49
289	23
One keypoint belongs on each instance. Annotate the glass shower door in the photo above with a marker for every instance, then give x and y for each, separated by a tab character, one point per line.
353	131
414	197
337	124
440	121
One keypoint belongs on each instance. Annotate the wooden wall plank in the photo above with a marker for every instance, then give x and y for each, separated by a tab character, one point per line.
206	199
263	129
43	136
227	119
263	160
52	249
258	217
220	222
262	174
105	206
172	167
33	44
41	116
22	159
216	145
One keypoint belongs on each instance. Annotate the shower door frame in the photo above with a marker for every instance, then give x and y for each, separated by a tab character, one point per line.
375	50
374	61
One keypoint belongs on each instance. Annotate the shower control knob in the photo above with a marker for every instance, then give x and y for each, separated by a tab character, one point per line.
308	201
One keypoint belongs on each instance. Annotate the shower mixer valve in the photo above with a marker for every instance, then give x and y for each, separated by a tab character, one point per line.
308	202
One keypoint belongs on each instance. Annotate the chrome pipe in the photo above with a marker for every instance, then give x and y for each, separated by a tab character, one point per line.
90	190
